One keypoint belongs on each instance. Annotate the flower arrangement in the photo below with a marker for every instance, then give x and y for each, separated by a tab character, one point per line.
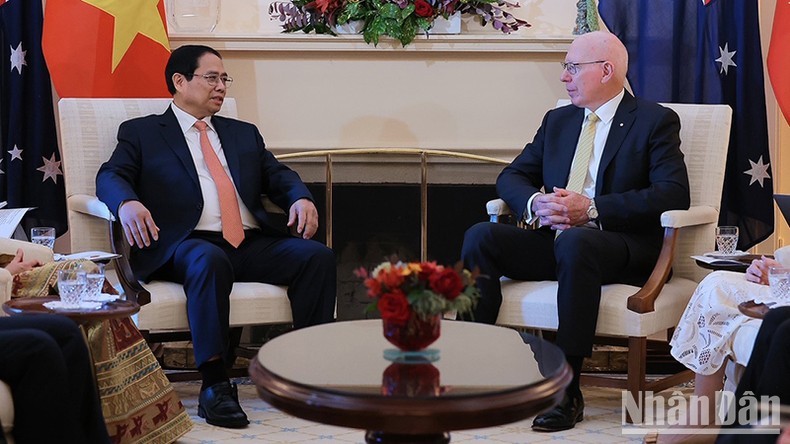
399	19
426	289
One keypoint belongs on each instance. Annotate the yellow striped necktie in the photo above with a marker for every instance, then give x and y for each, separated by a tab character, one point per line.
581	159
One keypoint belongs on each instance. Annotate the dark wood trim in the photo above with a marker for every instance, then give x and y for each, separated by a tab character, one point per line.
643	301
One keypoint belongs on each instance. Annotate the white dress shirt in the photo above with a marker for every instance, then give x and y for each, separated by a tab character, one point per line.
605	115
210	216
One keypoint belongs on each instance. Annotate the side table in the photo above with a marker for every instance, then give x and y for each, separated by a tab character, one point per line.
109	310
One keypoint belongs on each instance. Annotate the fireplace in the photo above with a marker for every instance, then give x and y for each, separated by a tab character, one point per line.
375	221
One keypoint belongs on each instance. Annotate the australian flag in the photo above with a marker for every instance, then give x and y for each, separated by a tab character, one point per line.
30	166
707	51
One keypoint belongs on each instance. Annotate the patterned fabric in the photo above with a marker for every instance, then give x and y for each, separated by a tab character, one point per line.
138	402
704	336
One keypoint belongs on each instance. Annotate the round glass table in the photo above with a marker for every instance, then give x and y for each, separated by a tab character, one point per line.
338	374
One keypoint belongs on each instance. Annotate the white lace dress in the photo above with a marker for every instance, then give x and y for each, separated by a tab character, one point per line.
703	338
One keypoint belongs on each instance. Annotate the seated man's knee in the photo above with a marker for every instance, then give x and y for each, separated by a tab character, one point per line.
478	235
570	243
321	255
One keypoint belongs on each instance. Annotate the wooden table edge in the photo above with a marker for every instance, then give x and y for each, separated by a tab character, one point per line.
409	415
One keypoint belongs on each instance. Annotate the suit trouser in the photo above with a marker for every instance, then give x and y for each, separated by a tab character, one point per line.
581	259
45	361
207	266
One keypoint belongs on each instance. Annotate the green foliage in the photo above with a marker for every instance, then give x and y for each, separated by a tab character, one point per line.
398	19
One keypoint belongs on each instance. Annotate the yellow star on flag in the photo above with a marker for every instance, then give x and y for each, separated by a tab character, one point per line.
132	17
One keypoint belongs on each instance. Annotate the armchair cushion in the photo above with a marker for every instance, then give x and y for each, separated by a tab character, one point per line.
6	408
537	303
250	303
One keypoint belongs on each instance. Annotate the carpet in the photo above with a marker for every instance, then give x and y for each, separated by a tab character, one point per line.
602	424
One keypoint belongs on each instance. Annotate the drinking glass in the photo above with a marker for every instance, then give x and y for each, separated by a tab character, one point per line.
43	236
192	15
726	239
779	280
94	281
71	285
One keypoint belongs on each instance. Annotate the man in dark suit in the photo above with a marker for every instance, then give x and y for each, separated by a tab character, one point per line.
186	186
599	222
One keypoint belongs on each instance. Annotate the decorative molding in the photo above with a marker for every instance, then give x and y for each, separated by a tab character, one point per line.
466	42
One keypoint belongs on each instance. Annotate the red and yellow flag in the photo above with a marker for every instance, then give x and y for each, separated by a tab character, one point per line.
779	57
106	48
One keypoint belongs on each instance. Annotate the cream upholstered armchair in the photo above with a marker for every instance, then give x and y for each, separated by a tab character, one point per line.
32	252
635	313
88	131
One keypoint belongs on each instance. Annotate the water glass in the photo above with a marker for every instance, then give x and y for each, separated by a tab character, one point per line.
94	278
71	285
43	236
726	239
779	280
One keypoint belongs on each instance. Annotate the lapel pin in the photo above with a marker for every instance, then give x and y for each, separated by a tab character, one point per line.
621	123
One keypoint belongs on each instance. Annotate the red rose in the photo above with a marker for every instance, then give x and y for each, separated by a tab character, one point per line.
394	307
374	287
447	283
427	269
422	8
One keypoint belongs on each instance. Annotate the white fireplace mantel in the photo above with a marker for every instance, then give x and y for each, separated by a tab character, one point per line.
467	42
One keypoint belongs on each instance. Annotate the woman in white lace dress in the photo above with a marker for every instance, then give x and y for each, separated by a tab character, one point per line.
704	336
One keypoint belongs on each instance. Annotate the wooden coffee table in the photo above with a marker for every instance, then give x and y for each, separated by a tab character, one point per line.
337	374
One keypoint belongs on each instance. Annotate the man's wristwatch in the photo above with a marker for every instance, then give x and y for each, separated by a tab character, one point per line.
592	211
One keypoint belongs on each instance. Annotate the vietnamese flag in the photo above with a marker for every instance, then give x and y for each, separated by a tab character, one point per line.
779	57
106	48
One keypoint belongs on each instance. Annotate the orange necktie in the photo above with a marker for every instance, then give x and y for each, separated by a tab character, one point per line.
232	228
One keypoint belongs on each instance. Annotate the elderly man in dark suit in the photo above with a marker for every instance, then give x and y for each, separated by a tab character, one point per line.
596	178
186	186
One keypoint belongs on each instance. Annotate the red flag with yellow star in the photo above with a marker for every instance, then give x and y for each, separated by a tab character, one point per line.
106	48
779	57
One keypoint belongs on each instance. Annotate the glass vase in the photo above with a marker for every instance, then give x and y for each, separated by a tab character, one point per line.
192	15
415	334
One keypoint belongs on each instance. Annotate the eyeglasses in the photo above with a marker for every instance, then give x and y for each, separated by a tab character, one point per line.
212	79
573	68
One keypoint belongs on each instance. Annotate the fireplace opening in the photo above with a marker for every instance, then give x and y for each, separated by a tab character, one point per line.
375	221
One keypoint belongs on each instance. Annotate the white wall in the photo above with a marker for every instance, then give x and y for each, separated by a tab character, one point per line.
479	92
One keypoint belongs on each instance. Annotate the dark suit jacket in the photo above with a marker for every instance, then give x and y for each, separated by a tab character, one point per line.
152	164
641	173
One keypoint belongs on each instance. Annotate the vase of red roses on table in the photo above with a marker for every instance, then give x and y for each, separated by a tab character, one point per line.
412	297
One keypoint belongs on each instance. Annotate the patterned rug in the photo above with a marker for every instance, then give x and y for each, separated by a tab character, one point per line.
602	424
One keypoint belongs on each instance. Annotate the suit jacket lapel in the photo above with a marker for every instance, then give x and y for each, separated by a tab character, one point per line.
621	124
172	134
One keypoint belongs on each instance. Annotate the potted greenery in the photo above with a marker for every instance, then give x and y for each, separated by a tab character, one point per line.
399	19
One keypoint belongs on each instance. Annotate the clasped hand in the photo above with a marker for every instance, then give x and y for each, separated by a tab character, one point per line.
561	209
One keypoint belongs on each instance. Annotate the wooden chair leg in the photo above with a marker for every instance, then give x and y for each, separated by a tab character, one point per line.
637	365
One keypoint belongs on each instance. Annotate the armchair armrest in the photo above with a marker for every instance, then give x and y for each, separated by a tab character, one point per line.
90	205
499	212
699	215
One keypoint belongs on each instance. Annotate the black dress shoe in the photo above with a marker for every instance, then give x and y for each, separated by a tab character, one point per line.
219	405
562	417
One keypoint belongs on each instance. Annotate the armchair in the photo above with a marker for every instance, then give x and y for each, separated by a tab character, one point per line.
88	129
630	313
